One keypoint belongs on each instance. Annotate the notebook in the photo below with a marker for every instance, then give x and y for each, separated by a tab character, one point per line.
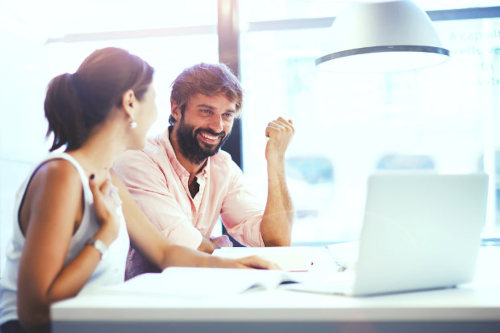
288	258
420	231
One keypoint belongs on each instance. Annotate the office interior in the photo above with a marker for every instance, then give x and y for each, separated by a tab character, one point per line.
442	119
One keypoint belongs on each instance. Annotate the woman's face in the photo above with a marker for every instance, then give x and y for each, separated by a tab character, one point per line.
145	117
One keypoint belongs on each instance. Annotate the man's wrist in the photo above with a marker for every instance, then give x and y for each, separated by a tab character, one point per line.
207	245
276	163
214	244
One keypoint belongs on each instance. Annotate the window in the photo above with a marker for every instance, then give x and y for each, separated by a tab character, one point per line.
446	118
443	118
42	42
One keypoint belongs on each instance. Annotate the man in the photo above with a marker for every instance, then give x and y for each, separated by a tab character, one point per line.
183	182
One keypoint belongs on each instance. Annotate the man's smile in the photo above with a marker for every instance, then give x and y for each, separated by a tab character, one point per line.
210	138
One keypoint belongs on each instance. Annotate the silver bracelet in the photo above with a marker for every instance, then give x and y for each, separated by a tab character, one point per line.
98	244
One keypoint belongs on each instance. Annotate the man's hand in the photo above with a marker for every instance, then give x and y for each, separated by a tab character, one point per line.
222	241
279	132
209	245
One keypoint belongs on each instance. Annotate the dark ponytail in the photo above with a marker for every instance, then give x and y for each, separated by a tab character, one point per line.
76	103
64	113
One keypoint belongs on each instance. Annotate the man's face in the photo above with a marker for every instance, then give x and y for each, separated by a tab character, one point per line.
205	126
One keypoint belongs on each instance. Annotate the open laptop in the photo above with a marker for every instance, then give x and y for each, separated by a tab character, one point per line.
420	231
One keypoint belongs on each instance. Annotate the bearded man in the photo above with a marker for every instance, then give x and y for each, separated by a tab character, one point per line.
183	181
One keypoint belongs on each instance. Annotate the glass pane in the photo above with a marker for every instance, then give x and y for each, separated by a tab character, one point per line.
443	119
55	18
252	10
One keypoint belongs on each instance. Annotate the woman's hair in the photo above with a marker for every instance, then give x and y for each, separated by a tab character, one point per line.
76	103
205	79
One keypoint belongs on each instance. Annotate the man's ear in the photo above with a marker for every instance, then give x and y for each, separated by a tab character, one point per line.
175	109
129	103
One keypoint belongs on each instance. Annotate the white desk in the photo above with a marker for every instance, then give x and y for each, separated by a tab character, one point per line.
473	307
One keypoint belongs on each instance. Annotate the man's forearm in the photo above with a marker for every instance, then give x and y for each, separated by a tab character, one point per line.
276	227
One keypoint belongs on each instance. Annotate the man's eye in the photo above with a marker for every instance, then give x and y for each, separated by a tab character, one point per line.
228	115
207	111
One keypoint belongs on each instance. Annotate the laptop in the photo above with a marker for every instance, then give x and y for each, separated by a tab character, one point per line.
420	231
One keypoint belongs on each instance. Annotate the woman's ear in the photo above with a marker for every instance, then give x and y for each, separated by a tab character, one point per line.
129	103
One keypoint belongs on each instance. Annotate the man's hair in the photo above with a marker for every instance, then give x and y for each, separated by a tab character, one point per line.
205	79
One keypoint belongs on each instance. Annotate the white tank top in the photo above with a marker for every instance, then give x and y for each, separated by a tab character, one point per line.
111	268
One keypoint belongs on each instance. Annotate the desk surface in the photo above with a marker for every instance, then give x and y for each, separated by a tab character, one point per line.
478	301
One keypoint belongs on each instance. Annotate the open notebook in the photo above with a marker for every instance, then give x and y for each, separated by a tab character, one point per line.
193	282
289	258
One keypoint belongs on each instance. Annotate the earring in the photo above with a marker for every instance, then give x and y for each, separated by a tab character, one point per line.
132	124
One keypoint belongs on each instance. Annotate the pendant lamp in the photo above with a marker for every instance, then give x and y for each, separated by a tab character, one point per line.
382	36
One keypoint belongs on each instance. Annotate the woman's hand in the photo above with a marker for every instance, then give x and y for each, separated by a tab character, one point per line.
247	262
106	205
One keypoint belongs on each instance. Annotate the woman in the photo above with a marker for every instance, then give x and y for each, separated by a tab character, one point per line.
70	233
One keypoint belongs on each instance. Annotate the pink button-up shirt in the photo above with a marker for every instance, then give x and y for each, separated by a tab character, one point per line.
159	185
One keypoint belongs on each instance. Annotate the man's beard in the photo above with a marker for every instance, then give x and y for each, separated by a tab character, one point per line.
191	148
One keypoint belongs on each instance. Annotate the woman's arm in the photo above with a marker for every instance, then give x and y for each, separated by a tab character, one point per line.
49	215
161	252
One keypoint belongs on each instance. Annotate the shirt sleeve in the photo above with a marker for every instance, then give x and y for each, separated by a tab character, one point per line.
148	186
241	211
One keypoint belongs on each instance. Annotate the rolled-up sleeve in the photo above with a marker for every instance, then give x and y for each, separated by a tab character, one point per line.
147	183
241	211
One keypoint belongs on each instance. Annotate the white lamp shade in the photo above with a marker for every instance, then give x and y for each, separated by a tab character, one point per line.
382	36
